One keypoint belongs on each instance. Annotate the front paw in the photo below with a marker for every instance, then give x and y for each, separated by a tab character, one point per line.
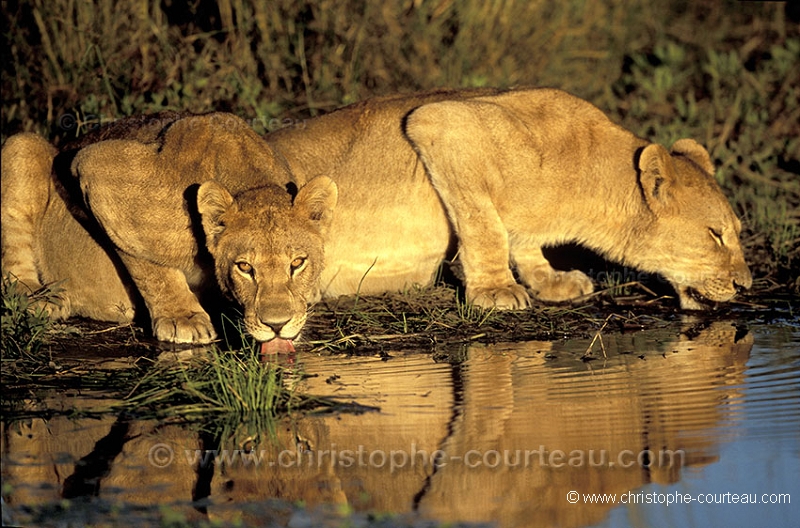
56	306
195	328
564	286
509	297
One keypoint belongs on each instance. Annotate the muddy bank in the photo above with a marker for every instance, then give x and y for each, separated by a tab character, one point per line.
429	320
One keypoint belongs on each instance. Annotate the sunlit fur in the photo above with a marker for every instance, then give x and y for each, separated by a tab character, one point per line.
491	176
255	239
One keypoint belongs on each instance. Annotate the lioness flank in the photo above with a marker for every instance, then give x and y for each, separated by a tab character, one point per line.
378	195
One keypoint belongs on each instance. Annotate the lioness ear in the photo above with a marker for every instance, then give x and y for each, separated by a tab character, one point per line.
317	199
213	200
656	175
695	152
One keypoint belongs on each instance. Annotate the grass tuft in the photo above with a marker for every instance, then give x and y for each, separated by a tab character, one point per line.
25	320
229	393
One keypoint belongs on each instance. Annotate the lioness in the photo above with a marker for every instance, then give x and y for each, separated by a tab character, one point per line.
49	235
503	173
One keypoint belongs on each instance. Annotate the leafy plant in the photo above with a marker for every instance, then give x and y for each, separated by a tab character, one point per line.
25	319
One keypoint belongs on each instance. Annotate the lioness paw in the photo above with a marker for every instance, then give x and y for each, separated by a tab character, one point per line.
192	328
511	297
57	307
564	286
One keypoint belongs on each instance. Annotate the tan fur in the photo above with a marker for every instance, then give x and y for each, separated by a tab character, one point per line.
152	232
43	243
515	171
501	173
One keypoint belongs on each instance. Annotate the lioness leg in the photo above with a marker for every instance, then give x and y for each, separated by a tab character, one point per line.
465	182
27	160
175	312
27	191
482	160
47	240
150	227
546	283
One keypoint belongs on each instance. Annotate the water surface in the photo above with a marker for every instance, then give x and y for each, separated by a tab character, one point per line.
506	434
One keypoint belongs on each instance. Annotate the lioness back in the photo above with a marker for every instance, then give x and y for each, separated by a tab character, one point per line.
497	175
389	230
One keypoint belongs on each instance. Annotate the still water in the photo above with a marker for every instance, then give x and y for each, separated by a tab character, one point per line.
663	427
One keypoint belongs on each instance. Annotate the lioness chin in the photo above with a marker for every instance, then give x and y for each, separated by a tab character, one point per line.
500	173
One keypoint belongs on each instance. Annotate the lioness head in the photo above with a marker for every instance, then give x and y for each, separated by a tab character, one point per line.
692	238
268	252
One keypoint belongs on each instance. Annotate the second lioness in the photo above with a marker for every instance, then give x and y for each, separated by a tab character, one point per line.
503	173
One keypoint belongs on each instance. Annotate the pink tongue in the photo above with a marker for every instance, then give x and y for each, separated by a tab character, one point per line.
277	346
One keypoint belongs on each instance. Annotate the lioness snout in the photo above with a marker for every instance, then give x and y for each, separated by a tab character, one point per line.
276	324
743	284
742	278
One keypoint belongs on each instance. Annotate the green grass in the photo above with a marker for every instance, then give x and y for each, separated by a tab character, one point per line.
724	73
227	394
24	319
227	391
215	382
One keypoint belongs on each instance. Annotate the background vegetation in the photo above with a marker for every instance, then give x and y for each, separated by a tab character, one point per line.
726	73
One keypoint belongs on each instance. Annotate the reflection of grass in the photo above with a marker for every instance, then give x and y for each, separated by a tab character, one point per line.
230	395
218	382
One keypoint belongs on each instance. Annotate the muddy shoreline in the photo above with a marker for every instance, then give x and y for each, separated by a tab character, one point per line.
392	323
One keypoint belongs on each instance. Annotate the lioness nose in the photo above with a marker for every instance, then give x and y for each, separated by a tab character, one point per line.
275	324
743	279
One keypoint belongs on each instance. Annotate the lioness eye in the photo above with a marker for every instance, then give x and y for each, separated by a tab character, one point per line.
297	264
244	267
716	235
